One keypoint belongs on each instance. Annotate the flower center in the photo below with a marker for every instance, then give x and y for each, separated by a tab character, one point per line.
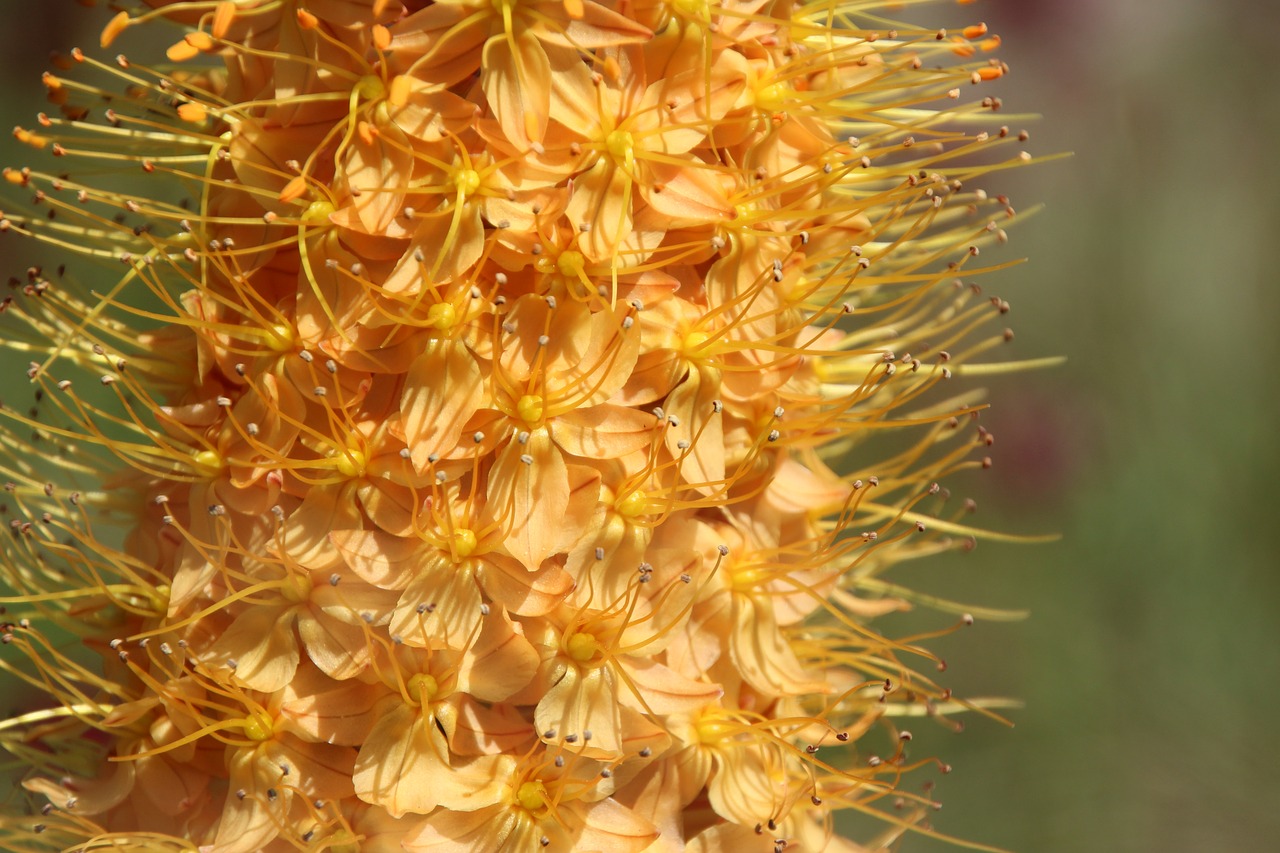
583	647
712	729
467	181
350	462
442	316
464	542
622	147
318	213
633	504
280	337
257	726
772	97
371	88
746	577
530	408
571	264
423	688
208	462
296	589
697	345
532	795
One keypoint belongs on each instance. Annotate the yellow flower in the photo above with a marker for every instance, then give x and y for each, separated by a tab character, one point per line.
454	423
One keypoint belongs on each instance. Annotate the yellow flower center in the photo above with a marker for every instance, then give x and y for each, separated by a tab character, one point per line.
423	688
712	729
442	316
464	542
530	408
467	181
583	647
622	147
746	577
280	337
772	97
633	504
257	726
571	264
532	795
371	88
296	589
350	462
318	213
694	10
208	462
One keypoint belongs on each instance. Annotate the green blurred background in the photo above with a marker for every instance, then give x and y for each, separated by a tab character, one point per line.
1150	663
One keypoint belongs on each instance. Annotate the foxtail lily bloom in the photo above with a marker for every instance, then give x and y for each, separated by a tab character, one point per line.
489	425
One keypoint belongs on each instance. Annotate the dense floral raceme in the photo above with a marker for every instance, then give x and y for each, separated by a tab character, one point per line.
485	425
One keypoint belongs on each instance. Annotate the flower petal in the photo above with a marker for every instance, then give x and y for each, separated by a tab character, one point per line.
603	432
533	478
443	389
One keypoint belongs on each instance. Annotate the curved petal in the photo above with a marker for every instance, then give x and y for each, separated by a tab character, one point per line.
604	432
441	608
386	561
523	592
516	77
263	646
583	704
443	389
533	480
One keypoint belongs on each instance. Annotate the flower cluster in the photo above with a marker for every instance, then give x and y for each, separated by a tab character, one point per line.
472	385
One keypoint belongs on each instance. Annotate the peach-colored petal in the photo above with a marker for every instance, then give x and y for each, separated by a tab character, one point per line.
602	201
607	825
245	825
521	591
443	389
662	690
464	832
259	153
516	78
261	647
689	194
574	97
489	730
316	769
604	432
317	708
379	160
532	478
306	530
405	766
440	43
441	607
339	649
763	655
700	424
583	704
747	786
500	663
386	561
595	26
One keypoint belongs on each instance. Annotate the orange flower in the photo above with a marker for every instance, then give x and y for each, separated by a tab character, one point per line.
473	385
